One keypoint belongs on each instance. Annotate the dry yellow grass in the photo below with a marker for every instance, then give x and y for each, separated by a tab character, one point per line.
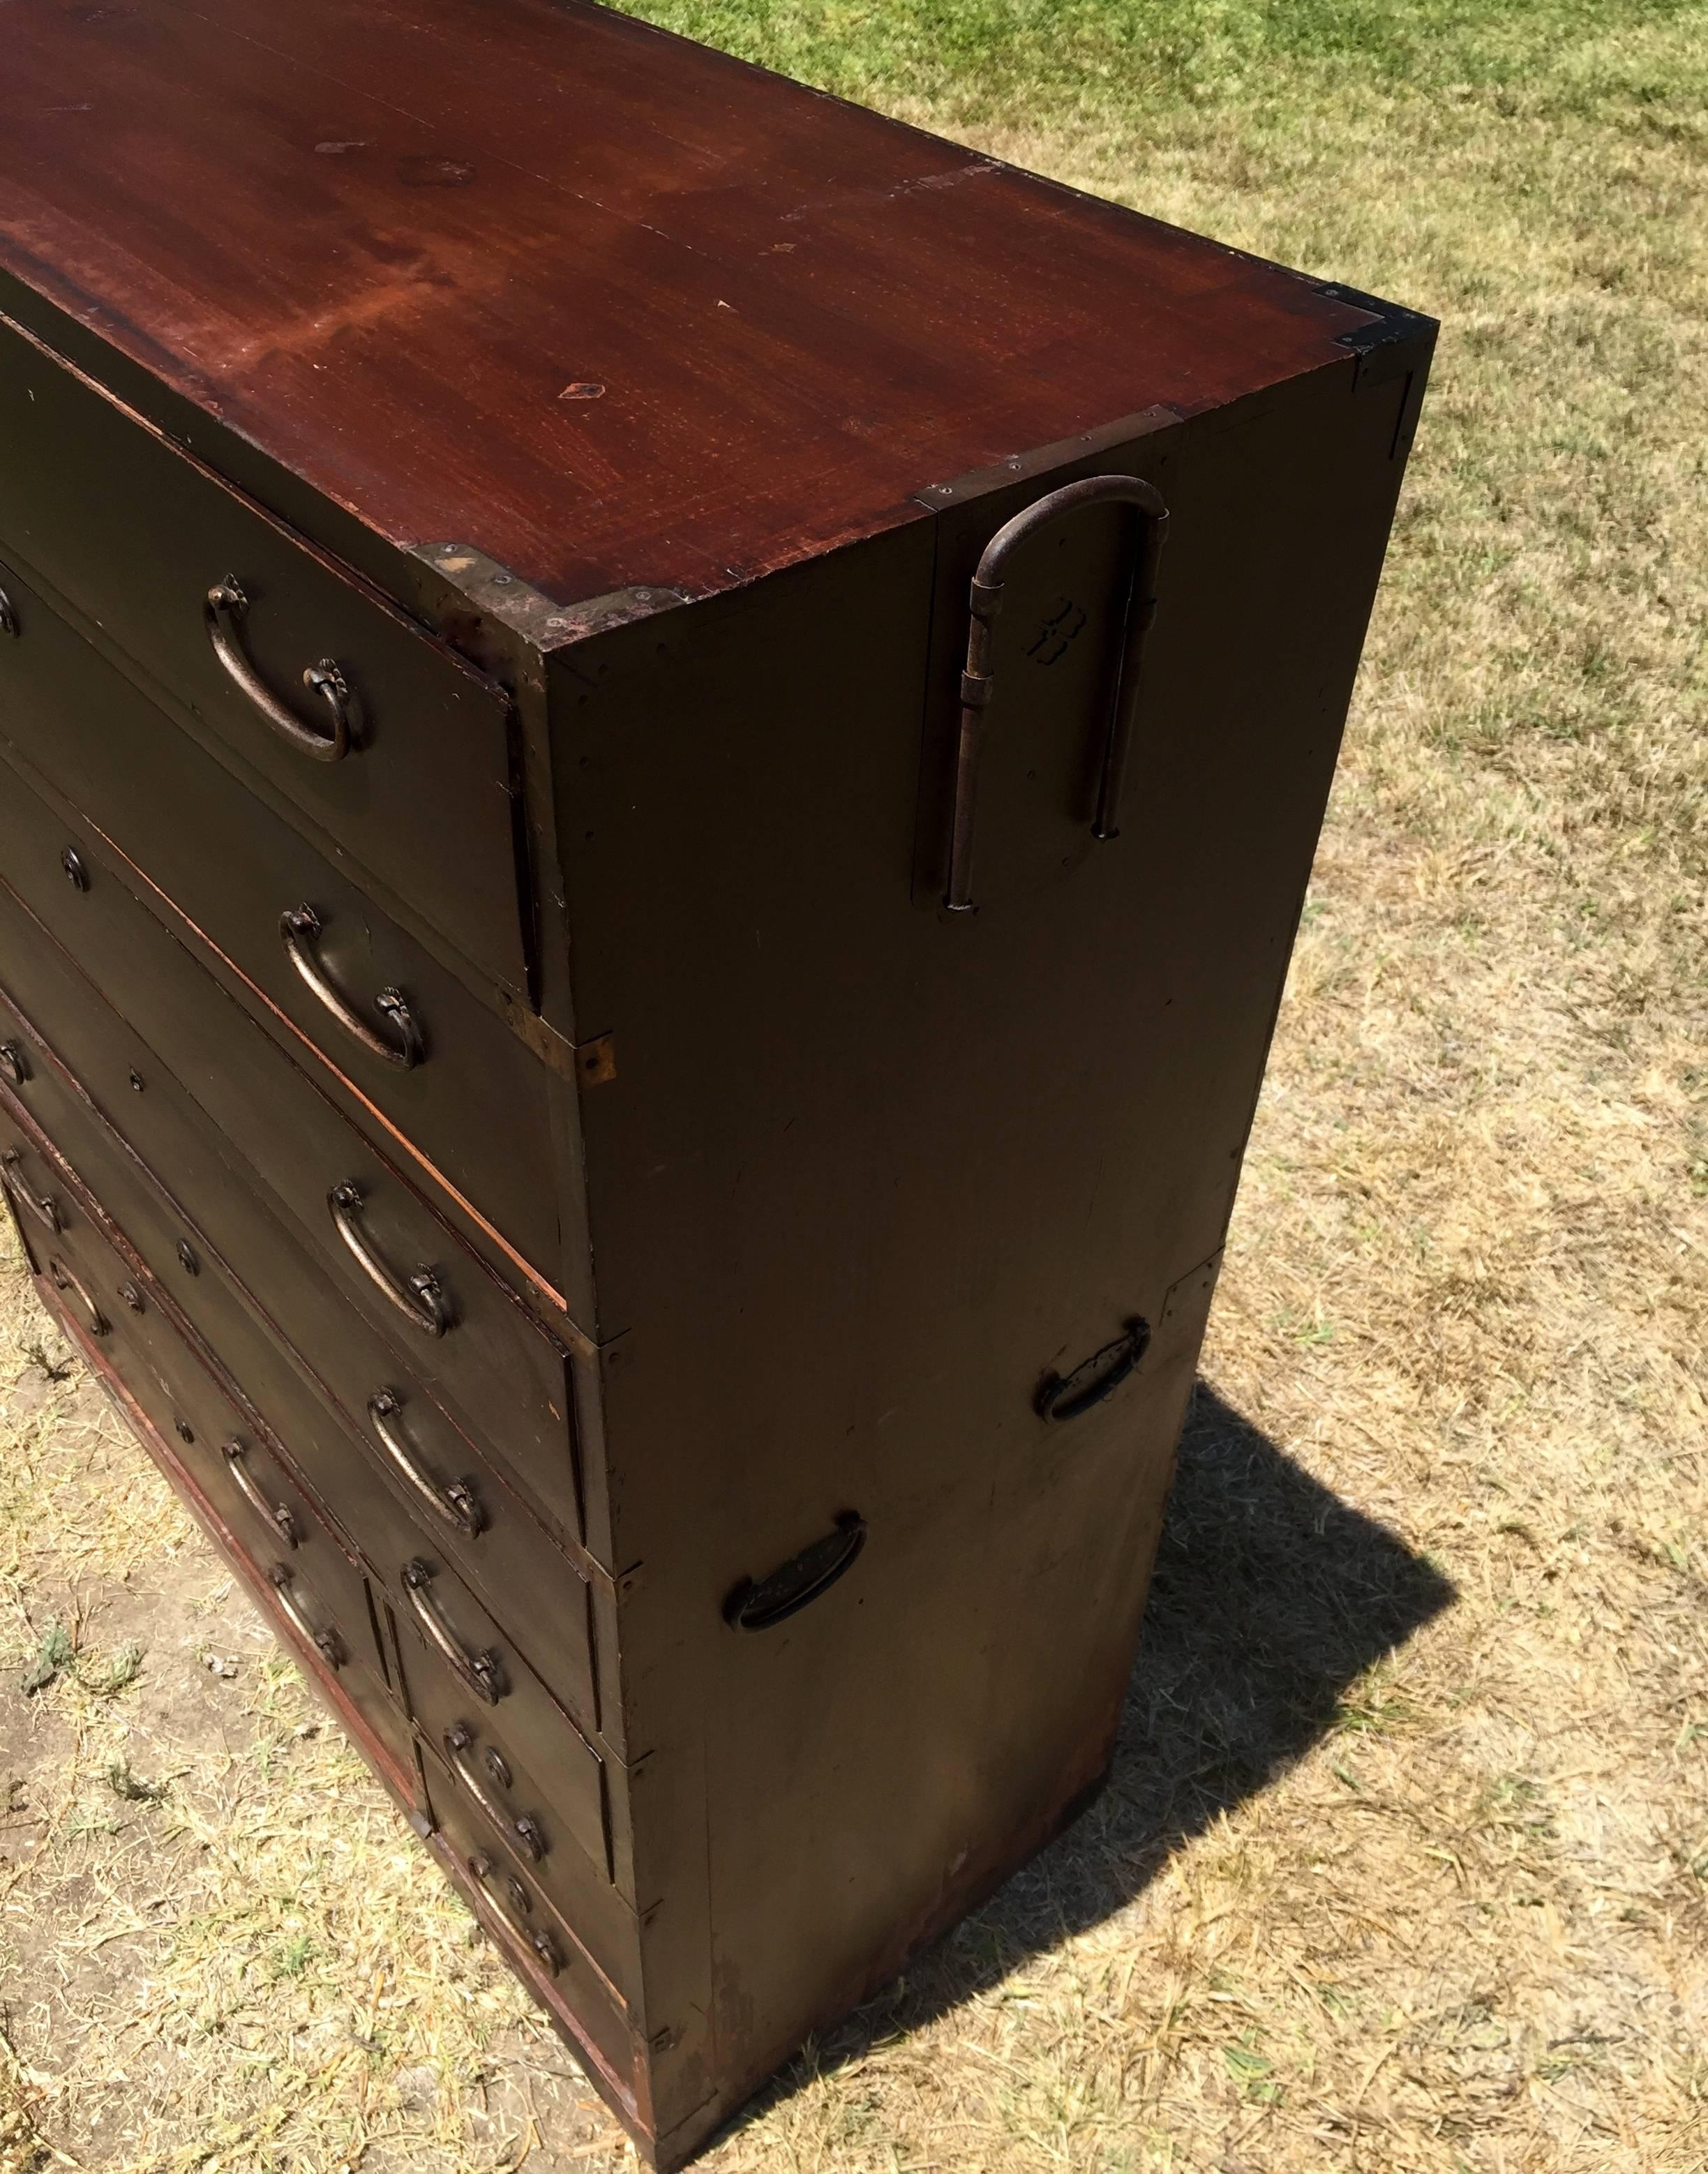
1384	1884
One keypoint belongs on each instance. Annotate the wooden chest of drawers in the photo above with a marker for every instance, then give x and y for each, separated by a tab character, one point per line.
639	919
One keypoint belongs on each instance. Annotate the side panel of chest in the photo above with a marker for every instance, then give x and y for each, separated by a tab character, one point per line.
905	1167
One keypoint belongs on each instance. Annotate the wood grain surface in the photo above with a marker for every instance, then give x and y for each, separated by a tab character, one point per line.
612	307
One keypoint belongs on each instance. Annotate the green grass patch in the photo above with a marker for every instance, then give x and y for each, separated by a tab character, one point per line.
1005	59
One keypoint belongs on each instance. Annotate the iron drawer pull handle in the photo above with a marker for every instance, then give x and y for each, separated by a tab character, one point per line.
801	1579
326	1643
482	1672
223	613
41	1207
978	680
457	1505
523	1834
417	1298
8	615
276	1514
301	928
1065	1396
13	1063
64	1280
511	1908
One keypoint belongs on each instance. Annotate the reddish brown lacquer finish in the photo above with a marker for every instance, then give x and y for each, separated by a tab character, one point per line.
612	307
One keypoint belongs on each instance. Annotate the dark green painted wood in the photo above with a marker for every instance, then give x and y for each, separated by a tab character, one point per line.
135	532
505	1378
478	1106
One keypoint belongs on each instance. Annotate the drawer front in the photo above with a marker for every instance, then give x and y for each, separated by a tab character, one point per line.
530	1929
473	1100
468	1335
314	1588
166	1127
538	1793
456	1652
460	1672
492	1537
137	535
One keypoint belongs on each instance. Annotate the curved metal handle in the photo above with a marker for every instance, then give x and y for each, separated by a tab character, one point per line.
326	1643
801	1579
514	1904
523	1834
457	1504
223	613
9	614
1065	1396
276	1514
64	1280
301	926
482	1672
417	1298
13	1063
978	679
41	1207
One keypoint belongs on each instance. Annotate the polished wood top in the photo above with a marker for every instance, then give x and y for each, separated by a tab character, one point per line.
612	307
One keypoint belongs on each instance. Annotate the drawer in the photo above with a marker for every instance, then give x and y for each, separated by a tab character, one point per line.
457	1654
539	1792
460	1671
313	1586
515	1909
469	1338
166	1127
138	535
471	1098
492	1537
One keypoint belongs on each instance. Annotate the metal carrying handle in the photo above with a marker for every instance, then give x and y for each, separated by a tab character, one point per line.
457	1504
514	1904
223	613
41	1207
417	1298
8	615
276	1514
978	680
301	926
13	1063
1065	1396
64	1280
482	1672
523	1834
326	1643
801	1580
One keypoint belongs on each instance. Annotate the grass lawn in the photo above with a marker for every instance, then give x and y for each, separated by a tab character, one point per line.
1449	1913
